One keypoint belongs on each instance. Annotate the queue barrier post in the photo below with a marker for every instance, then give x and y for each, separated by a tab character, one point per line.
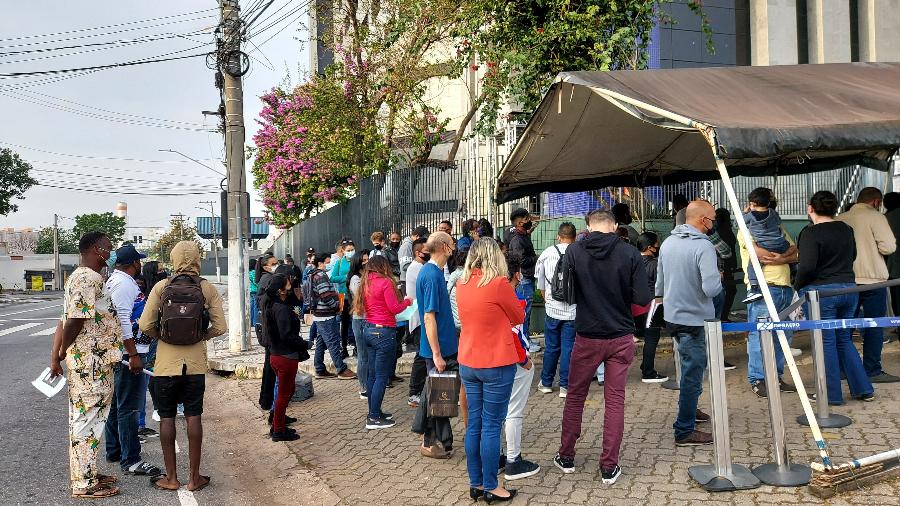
675	382
781	473
722	475
823	413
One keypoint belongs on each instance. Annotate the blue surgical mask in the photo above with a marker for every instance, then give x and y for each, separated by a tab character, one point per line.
111	261
349	254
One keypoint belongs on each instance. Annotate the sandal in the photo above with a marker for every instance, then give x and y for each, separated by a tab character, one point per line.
155	482
202	485
106	479
98	491
143	469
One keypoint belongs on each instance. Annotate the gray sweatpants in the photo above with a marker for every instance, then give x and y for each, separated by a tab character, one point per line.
520	391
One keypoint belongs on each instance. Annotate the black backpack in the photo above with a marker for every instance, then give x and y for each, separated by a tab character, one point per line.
182	311
562	286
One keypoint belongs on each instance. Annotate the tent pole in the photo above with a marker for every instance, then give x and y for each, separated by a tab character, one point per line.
770	304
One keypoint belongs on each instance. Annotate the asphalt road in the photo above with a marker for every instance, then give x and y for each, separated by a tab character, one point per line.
34	466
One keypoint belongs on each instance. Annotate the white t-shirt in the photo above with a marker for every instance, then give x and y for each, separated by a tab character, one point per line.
544	271
412	274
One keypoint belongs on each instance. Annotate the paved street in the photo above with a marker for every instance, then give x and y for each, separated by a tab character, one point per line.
384	467
34	467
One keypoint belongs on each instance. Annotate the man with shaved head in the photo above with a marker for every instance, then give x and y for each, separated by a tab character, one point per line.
687	279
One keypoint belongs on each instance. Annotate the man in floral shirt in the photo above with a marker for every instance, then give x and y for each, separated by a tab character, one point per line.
89	341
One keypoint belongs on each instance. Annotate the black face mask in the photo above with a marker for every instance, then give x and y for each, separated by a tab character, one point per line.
395	245
713	228
426	257
378	247
527	225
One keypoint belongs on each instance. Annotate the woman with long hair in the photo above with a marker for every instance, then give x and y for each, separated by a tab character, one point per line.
488	309
150	273
357	271
281	328
380	300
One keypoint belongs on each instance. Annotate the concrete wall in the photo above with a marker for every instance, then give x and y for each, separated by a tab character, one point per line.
12	268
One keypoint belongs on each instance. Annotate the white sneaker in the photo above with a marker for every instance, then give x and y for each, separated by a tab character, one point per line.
796	352
544	390
563	392
534	348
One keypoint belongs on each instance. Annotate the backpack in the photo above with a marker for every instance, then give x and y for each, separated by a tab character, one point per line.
562	286
181	313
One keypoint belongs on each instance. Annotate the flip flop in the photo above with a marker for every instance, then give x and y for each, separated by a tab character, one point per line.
203	485
155	482
98	491
106	479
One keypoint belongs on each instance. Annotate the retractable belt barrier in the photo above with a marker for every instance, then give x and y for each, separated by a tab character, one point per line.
832	293
848	323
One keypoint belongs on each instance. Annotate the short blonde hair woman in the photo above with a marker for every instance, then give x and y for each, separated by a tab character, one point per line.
488	309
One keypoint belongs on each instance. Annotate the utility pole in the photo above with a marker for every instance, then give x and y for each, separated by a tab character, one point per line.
231	62
215	243
56	276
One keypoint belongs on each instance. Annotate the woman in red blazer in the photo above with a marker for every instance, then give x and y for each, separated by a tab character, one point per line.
488	308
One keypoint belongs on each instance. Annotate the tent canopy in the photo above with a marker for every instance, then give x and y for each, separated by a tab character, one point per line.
640	128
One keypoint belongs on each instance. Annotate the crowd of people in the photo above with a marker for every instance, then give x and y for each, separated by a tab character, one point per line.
463	306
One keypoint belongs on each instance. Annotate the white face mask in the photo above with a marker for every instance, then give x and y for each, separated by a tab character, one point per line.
269	268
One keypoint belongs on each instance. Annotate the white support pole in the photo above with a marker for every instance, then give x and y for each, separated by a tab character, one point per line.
770	304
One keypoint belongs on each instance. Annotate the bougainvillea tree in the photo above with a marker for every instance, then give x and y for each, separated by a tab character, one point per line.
314	145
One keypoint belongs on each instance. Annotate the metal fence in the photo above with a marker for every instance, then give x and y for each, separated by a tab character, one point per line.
405	198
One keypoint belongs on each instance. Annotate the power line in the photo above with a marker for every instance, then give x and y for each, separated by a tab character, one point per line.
115	43
129	23
299	8
117	159
127	180
34	163
275	13
137	116
12	75
154	192
124	121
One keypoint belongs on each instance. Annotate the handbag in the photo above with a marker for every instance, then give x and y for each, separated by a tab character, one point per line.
443	394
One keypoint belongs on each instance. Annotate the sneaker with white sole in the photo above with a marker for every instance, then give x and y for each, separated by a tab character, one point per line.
379	423
728	366
752	297
796	352
520	468
655	378
565	464
534	348
413	401
610	476
563	392
544	389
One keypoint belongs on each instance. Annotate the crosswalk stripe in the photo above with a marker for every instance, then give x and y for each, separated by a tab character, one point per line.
18	328
46	332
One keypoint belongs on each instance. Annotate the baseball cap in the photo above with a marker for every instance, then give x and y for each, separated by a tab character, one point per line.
127	254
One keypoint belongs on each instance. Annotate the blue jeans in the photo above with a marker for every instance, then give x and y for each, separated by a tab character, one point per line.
487	392
313	333
121	435
559	338
254	309
837	345
718	302
781	296
692	348
362	354
328	334
382	350
872	304
525	290
142	411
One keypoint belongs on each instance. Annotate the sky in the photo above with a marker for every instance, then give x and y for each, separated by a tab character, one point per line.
55	121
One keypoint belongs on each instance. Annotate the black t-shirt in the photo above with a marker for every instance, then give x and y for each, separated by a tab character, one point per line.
827	252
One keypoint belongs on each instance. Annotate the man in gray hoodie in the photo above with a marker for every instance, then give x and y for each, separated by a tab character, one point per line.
687	279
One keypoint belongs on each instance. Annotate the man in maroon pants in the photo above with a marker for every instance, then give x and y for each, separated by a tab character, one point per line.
608	277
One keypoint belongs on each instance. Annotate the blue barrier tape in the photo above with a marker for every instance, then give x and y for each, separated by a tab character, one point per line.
850	323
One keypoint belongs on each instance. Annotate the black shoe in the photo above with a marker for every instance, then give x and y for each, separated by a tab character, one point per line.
728	366
287	419
475	493
654	378
520	468
759	388
866	397
379	423
285	435
502	466
884	378
701	417
147	432
490	497
565	464
696	438
609	477
398	379
387	416
786	387
286	429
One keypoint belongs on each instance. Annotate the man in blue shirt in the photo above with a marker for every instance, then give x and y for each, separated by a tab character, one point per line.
439	340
